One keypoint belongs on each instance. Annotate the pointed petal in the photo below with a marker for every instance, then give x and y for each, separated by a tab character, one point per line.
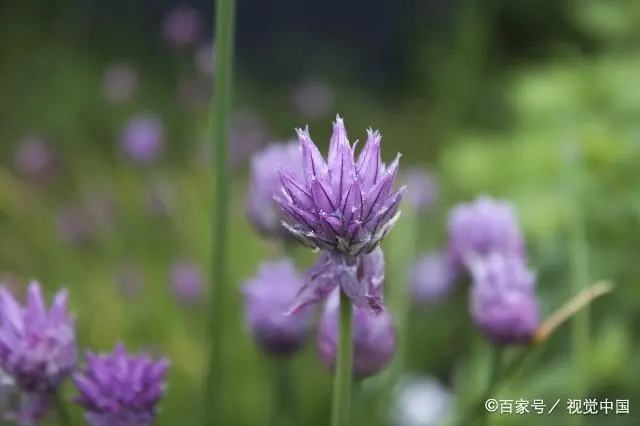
353	202
311	293
36	308
338	137
58	310
369	162
386	212
322	196
378	194
312	162
11	312
296	191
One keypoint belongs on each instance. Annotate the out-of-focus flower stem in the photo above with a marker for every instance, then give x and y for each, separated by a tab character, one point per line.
284	406
358	397
220	122
341	409
477	410
64	419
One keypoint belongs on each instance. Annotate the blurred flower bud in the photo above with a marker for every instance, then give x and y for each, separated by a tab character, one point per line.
421	189
143	138
433	277
313	99
120	81
268	296
34	159
503	300
261	209
187	281
181	27
482	226
204	58
374	338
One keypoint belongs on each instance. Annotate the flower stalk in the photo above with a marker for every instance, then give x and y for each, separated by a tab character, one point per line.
341	408
220	123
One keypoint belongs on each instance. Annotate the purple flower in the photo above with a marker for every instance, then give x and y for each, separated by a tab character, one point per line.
120	81
421	189
374	338
37	345
503	300
483	226
187	281
203	59
121	389
143	139
267	297
33	158
343	204
181	27
433	277
360	278
261	209
74	225
313	99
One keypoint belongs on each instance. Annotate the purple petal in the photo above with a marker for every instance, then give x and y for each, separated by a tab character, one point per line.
36	307
322	196
295	191
369	161
312	160
338	138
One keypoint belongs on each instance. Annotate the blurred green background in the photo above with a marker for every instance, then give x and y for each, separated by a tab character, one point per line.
537	102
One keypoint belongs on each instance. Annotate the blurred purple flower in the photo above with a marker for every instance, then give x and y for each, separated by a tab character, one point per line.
75	225
120	388
374	338
193	92
360	278
204	58
261	209
187	281
433	277
129	280
421	189
313	99
34	158
120	81
143	138
482	226
344	204
181	27
160	197
267	296
503	300
422	401
37	346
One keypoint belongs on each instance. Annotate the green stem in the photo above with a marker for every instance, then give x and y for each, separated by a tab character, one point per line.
580	333
64	419
285	408
220	122
358	413
495	369
341	414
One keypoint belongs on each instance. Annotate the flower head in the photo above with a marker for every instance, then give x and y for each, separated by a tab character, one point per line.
37	345
343	204
433	277
360	278
421	189
374	338
262	211
482	226
187	280
181	26
120	81
34	158
503	300
267	297
143	139
120	388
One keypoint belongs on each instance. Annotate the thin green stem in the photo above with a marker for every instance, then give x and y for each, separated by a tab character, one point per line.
341	409
64	419
580	333
358	396
495	369
285	404
220	118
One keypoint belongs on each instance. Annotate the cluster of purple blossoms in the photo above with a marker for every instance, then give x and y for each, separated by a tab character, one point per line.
485	239
433	277
34	159
143	139
344	206
38	352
